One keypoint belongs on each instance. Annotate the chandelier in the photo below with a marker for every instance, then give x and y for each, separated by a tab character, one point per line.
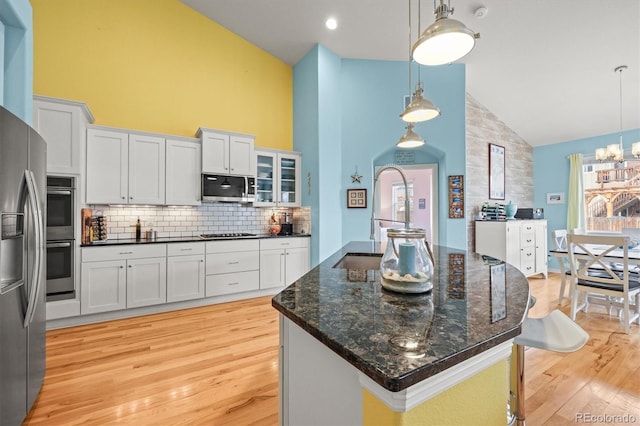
615	151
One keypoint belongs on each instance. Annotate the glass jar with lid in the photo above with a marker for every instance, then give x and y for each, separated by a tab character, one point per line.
407	266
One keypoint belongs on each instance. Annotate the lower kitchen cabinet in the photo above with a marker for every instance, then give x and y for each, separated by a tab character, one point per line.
283	260
185	271
232	267
104	286
120	277
146	282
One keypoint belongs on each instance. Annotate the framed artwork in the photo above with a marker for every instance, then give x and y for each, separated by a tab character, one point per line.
496	172
456	197
357	198
498	279
555	197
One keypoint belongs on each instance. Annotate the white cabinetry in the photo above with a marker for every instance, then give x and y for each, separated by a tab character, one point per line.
283	260
183	170
185	271
232	267
120	277
125	168
62	124
522	243
278	178
227	153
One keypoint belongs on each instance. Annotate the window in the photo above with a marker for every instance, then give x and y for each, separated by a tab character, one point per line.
612	195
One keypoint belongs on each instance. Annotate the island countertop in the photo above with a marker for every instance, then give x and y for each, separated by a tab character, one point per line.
476	304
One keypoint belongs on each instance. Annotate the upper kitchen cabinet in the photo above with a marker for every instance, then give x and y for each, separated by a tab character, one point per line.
124	168
277	178
227	153
183	181
63	125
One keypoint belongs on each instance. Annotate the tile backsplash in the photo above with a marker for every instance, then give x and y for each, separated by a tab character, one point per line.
211	218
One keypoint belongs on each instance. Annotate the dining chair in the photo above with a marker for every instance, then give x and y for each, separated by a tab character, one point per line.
559	240
618	288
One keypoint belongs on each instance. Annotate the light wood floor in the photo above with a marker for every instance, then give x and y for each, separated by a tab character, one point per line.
218	365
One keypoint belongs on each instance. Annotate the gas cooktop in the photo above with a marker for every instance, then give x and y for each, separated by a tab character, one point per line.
230	235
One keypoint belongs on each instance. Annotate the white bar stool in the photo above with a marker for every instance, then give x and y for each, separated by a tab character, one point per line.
555	332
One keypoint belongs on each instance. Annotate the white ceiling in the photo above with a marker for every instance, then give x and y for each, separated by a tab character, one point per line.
544	67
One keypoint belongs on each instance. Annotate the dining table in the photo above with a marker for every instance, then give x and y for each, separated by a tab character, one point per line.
614	256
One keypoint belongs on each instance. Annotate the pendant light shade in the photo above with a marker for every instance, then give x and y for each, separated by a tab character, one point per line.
419	109
410	139
444	41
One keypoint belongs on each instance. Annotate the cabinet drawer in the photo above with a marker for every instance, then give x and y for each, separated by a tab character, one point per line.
237	282
279	243
528	238
232	246
222	263
185	249
123	252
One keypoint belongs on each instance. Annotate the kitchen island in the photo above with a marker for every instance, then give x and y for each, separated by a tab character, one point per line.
354	353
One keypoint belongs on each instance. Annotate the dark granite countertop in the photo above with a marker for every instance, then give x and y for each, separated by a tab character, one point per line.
349	312
190	239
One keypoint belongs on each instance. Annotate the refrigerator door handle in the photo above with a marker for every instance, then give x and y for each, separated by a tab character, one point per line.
36	211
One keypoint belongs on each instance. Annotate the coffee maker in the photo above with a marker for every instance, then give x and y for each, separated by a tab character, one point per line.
286	225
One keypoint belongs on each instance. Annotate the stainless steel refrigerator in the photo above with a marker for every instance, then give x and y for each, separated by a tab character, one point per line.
22	267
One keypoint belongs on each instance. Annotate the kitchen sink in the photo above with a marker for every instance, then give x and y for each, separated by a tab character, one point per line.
359	261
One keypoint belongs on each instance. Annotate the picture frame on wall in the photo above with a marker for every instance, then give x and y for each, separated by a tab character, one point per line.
496	172
357	198
555	197
456	196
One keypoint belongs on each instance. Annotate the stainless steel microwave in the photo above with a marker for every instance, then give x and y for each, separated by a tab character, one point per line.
228	189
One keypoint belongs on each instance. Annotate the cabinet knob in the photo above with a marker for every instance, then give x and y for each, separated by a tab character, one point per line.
121	267
123	197
130	266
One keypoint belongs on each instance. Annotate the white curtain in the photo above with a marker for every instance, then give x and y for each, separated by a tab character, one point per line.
576	216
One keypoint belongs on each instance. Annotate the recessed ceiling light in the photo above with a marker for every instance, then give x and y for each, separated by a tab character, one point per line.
331	23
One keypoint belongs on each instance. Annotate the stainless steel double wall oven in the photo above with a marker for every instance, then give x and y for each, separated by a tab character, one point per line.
60	237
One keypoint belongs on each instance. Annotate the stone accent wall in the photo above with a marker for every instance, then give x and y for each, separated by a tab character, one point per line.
210	218
482	128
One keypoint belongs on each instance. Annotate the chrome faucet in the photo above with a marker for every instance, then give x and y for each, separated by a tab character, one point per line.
407	218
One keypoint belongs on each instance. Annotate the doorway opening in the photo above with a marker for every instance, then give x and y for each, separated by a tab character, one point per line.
422	183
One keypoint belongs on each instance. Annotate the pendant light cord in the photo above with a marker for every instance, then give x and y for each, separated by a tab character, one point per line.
410	51
621	69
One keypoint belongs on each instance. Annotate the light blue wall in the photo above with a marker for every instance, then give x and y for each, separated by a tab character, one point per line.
346	117
306	136
551	174
372	99
16	54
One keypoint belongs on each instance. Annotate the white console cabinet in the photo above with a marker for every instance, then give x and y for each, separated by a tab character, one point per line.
521	243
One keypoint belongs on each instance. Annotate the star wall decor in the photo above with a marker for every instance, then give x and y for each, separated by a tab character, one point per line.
356	177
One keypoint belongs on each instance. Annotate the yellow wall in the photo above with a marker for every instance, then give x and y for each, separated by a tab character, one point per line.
159	66
480	400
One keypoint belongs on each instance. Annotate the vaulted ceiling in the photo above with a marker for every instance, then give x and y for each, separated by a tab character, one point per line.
544	67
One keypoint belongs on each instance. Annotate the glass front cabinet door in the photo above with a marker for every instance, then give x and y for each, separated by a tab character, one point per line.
277	179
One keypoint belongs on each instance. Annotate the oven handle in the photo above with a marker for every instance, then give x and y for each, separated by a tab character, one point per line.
58	192
58	245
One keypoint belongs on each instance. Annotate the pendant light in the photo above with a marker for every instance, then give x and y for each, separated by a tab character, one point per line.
225	184
419	109
410	139
444	41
